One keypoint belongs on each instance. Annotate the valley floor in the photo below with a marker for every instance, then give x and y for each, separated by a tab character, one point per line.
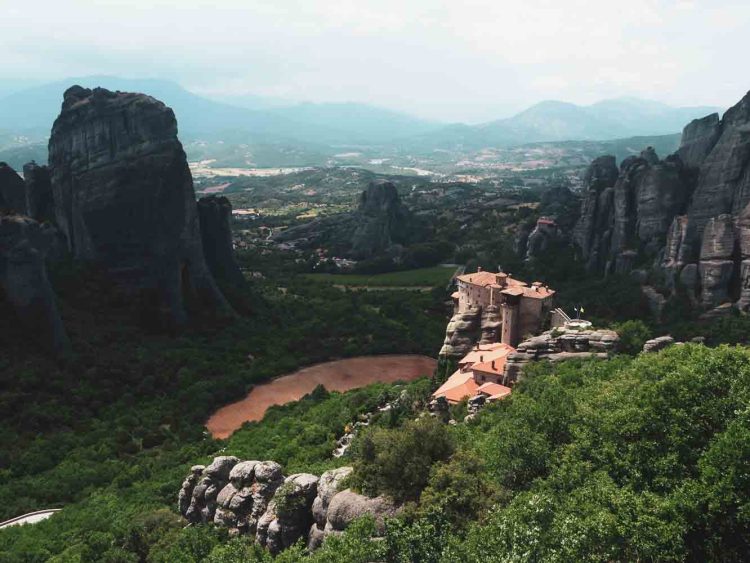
338	375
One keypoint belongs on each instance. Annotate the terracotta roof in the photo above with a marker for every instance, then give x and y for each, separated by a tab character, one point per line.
494	389
455	295
479	278
511	287
493	366
486	353
459	386
538	292
500	395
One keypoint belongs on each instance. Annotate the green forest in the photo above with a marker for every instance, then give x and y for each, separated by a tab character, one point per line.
638	458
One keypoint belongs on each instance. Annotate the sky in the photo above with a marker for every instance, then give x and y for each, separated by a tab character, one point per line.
453	60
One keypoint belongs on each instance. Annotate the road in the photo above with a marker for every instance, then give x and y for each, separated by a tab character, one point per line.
30	518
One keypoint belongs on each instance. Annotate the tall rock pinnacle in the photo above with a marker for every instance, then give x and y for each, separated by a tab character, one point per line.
124	197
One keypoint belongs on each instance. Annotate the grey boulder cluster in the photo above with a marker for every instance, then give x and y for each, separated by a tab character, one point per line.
686	217
118	193
254	498
560	344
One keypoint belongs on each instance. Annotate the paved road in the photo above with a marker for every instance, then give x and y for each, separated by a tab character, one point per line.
30	518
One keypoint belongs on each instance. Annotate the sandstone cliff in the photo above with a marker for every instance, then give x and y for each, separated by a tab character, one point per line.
124	197
686	215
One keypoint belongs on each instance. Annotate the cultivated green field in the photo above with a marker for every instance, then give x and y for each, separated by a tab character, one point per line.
421	277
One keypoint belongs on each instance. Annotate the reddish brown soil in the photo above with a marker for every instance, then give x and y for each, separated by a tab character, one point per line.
340	375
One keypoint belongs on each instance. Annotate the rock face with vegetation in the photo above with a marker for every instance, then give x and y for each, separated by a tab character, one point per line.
560	344
124	197
24	244
684	215
215	214
254	498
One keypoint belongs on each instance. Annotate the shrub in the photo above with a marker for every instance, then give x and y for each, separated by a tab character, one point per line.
397	462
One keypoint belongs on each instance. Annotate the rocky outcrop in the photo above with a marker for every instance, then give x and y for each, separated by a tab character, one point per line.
12	191
461	333
698	139
492	321
658	343
716	264
633	214
684	214
545	235
202	488
24	244
560	344
215	214
593	232
329	485
124	197
381	221
347	506
40	204
254	498
289	515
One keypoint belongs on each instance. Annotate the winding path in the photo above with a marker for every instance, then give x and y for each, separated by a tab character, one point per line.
339	375
30	518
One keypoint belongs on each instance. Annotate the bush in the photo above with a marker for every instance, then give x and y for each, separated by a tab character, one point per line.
633	335
397	462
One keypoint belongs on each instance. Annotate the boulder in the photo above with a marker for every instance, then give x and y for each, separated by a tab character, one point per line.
659	343
215	214
124	197
24	244
289	515
204	495
346	506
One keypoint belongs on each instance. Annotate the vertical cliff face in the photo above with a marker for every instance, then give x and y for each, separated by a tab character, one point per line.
23	279
687	214
215	213
39	201
124	196
12	191
381	219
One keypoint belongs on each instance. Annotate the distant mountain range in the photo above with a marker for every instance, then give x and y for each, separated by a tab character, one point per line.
31	112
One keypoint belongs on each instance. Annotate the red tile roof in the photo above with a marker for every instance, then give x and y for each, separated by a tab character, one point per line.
486	353
459	386
494	390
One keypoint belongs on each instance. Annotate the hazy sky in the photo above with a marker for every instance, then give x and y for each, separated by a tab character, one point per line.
454	60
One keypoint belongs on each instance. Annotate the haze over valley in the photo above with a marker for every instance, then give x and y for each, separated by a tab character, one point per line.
398	282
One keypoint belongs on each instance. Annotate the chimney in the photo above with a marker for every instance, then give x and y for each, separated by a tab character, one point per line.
481	358
493	365
479	269
500	279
